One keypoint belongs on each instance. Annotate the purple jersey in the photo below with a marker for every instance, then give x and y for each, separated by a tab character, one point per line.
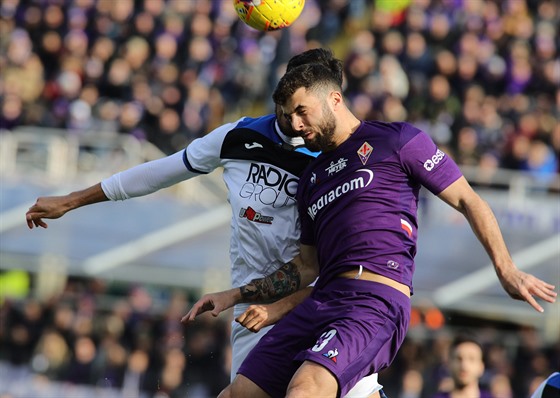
358	203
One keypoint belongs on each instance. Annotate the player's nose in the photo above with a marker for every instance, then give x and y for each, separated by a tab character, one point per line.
297	123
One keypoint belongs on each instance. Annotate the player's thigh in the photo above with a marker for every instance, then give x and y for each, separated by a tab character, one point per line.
312	380
270	364
242	387
242	342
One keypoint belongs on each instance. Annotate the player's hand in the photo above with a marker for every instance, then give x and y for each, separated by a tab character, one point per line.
522	286
213	302
46	207
257	317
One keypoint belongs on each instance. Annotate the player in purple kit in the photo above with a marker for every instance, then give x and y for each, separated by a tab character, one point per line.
358	209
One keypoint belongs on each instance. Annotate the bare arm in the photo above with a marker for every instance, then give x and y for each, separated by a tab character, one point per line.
258	316
56	206
291	277
518	284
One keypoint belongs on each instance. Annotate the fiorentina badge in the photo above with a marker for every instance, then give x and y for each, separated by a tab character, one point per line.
364	152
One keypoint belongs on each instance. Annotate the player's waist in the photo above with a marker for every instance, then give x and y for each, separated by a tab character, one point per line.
367	275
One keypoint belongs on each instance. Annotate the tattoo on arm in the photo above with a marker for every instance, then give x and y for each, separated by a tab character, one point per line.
281	283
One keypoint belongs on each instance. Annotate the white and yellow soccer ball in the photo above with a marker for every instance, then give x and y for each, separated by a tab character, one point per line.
265	15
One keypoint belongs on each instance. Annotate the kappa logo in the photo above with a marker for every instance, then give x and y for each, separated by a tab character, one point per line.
252	215
253	145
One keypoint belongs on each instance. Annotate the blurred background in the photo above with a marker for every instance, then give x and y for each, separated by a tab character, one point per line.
91	306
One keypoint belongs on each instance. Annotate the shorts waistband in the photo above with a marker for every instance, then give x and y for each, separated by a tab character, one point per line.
366	275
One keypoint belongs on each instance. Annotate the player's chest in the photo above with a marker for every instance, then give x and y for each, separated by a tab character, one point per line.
352	173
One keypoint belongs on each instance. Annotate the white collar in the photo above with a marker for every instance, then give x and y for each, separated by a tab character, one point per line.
293	141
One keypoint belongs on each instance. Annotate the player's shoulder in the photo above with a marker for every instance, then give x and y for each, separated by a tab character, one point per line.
393	128
549	388
392	134
263	124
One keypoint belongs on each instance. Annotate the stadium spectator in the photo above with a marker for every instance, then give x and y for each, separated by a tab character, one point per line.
466	368
51	55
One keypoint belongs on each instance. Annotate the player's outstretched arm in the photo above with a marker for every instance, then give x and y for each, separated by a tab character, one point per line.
259	316
518	284
53	207
140	180
291	277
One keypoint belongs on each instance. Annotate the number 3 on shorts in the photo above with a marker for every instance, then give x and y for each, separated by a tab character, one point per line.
323	340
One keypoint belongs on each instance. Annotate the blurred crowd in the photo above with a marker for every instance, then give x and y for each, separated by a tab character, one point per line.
109	338
481	76
126	341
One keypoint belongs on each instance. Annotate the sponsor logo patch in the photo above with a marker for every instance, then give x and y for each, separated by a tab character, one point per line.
434	160
336	167
362	181
253	145
250	214
332	354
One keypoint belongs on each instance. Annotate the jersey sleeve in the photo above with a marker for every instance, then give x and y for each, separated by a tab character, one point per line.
203	154
147	178
425	162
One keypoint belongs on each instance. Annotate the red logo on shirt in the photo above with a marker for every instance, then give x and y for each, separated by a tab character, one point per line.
250	214
364	152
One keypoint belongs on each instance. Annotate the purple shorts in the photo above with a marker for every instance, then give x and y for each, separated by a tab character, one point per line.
351	327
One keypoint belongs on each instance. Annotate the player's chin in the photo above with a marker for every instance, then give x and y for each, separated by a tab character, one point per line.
312	144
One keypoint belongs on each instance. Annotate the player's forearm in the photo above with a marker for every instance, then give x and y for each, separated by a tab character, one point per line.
281	283
88	196
288	303
486	228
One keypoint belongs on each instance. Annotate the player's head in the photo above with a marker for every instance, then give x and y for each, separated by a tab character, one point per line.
466	361
320	56
308	95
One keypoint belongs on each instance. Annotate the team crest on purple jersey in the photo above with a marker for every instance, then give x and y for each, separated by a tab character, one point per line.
364	152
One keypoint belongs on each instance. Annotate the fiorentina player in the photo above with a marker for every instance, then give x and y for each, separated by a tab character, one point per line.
358	208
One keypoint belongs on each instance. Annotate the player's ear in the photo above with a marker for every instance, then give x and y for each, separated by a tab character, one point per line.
336	98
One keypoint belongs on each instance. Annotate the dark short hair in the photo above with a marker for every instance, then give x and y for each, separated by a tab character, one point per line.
309	76
321	56
465	337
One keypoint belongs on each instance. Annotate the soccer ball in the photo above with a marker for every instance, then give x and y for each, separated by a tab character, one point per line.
267	15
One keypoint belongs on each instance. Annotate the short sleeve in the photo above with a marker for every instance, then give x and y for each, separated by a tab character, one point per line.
425	162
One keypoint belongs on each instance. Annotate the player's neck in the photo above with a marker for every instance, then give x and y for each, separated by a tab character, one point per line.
347	125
